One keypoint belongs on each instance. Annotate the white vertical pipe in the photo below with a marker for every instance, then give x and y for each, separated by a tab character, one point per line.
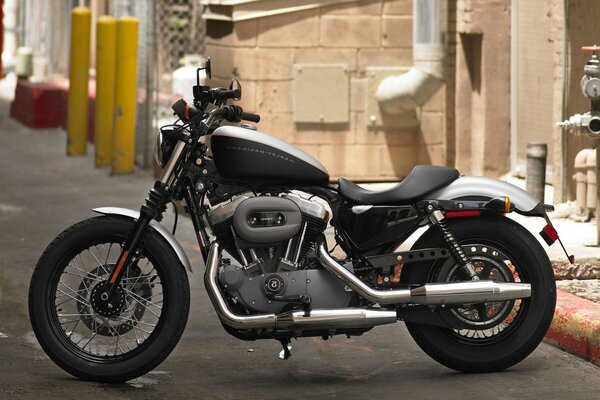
414	88
563	136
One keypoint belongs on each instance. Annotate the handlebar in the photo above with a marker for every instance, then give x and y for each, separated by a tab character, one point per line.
237	114
187	112
251	117
224	94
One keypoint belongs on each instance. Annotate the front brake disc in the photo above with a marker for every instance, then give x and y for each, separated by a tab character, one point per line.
133	308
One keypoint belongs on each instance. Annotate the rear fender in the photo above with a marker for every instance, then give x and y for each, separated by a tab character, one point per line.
161	230
482	187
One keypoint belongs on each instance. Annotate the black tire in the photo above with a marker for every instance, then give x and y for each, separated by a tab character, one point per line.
163	295
471	351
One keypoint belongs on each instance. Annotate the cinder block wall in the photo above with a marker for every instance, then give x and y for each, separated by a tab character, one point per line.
261	53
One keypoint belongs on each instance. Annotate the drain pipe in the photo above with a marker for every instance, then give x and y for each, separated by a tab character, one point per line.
564	131
415	87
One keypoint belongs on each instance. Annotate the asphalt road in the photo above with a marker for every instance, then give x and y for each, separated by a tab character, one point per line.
43	191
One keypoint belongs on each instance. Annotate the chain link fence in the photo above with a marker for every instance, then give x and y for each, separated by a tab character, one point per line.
180	31
143	10
168	30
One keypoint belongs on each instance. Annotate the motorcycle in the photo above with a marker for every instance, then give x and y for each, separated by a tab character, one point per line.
109	297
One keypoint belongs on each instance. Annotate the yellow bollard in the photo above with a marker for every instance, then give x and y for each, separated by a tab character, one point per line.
79	75
125	95
106	41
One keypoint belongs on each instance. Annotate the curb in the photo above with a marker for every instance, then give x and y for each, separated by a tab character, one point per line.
576	327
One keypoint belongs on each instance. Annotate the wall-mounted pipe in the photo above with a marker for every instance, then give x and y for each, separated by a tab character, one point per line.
581	178
413	88
591	192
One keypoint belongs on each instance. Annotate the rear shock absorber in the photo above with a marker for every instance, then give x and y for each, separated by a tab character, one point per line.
438	219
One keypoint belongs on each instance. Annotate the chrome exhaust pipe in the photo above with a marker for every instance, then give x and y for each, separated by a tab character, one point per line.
469	292
354	318
375	296
226	316
297	320
431	293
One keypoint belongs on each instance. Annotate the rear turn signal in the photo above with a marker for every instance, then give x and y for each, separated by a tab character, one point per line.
507	205
500	204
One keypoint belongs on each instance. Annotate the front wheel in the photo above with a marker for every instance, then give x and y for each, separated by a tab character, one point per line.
81	334
498	335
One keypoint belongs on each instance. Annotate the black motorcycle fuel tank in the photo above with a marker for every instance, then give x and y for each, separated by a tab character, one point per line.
241	154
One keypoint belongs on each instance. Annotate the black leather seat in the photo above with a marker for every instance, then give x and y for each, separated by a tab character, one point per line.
421	180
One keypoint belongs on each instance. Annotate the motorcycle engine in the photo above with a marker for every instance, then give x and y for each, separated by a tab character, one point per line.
271	240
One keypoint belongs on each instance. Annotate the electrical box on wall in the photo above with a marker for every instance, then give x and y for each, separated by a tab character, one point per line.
321	93
376	117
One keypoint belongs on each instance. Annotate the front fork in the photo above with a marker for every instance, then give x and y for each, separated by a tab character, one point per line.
158	198
155	205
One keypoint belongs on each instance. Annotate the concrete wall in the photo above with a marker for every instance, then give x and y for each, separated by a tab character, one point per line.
261	52
534	79
482	108
466	124
582	17
549	71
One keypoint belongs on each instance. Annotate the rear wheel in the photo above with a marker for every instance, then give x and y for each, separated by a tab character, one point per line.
498	335
121	340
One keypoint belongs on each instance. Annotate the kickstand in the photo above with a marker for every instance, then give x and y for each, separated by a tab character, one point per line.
286	353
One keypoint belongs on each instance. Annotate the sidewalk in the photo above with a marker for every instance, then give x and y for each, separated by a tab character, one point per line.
576	324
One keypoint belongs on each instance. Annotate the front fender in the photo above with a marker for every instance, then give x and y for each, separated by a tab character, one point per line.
479	186
124	212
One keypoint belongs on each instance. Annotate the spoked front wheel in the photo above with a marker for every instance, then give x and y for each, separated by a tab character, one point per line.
496	335
107	341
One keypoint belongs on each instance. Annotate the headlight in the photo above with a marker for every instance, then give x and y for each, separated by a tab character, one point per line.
163	147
